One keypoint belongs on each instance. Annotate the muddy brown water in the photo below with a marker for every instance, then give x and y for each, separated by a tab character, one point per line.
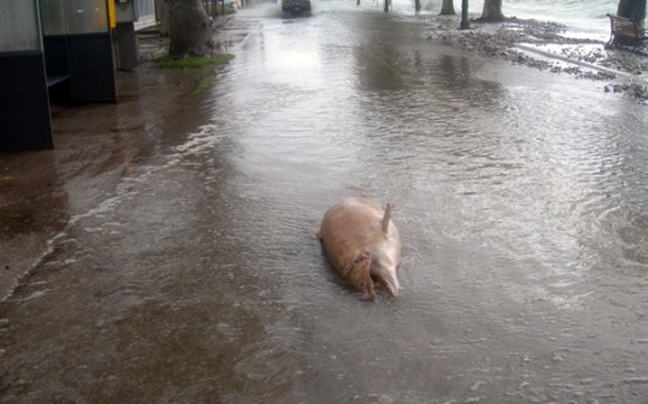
181	268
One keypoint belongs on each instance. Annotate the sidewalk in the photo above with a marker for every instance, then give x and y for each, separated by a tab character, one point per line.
95	147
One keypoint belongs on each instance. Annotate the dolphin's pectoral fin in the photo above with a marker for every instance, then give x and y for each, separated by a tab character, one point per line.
315	232
359	276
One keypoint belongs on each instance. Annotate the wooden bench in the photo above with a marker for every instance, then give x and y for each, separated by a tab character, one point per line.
625	32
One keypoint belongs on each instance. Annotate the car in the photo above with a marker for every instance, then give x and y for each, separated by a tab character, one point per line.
295	6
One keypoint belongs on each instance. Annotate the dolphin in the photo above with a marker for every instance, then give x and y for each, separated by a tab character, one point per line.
363	244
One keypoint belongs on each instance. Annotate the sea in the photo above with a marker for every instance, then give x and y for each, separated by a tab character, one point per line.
583	18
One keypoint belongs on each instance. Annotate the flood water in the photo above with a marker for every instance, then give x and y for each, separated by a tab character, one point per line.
186	271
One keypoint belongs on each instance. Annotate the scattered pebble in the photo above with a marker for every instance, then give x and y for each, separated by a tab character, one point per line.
384	399
499	39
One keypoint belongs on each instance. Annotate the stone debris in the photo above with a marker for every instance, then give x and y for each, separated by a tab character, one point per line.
500	40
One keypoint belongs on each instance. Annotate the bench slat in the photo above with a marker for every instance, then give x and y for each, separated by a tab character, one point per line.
627	30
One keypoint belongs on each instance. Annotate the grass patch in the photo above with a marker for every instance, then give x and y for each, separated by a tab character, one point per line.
205	84
166	62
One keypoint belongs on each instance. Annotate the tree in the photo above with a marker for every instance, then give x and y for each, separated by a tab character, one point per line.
447	8
464	15
190	31
633	9
492	11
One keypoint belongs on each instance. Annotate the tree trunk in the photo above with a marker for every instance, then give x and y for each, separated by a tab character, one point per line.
464	15
417	5
161	16
447	8
492	11
634	9
164	19
189	27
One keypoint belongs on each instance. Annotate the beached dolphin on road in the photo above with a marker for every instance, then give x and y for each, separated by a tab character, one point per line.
363	244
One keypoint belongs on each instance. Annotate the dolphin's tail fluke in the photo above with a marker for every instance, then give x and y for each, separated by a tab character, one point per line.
389	279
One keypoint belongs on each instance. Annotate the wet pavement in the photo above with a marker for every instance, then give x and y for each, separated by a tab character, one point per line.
169	236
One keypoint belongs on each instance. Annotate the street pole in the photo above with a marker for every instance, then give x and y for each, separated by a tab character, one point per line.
464	15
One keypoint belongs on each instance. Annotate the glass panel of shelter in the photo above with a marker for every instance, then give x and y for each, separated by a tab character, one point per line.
19	31
69	17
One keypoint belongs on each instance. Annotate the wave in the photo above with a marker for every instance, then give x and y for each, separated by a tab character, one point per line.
582	17
566	8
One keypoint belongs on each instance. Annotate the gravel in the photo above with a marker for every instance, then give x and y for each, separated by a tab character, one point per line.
542	45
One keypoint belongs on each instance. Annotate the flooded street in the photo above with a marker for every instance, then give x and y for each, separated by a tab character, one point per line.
182	267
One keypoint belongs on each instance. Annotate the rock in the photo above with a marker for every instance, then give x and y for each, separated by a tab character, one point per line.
497	40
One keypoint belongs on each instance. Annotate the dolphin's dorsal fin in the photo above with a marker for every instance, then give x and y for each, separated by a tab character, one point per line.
387	217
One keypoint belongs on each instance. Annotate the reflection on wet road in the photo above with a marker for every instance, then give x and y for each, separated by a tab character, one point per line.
521	198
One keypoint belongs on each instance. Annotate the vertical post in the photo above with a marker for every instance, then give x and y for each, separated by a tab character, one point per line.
127	47
464	15
25	121
417	5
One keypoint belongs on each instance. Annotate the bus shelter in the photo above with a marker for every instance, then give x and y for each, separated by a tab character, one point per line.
57	51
